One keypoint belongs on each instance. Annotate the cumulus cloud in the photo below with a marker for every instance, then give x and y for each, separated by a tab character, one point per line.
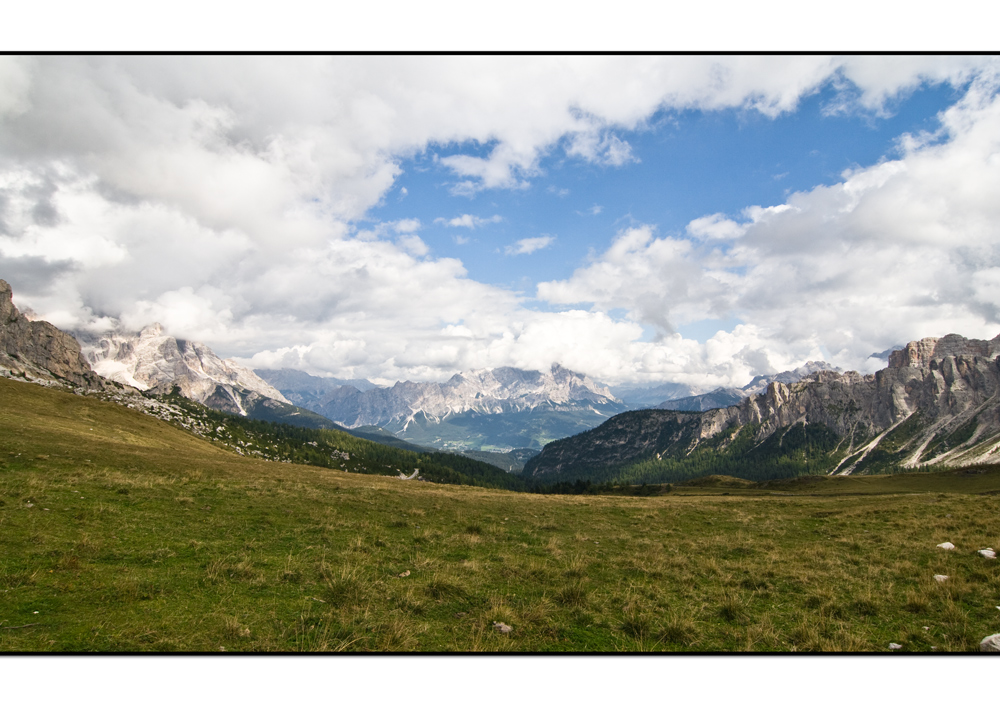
715	227
529	245
223	196
607	149
900	250
406	225
469	221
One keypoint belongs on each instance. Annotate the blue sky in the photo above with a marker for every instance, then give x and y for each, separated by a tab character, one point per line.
640	219
688	163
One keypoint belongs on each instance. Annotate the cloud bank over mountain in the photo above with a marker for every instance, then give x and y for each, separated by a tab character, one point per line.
228	198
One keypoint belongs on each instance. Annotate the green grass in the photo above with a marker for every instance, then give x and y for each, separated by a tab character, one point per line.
157	540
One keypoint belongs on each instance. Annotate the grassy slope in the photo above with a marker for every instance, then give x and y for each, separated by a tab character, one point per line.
158	540
331	449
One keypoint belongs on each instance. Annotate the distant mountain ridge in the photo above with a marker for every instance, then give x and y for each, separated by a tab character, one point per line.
494	409
486	391
638	398
938	402
307	390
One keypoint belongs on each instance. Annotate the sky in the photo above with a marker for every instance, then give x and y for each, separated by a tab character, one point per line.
640	219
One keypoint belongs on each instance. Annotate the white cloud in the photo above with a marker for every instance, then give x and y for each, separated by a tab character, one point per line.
406	225
15	83
222	195
896	251
715	227
529	245
414	245
469	221
607	149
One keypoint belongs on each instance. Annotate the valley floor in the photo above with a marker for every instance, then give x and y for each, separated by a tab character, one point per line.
121	533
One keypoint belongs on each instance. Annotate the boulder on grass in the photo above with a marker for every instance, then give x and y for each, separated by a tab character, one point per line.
990	644
946	546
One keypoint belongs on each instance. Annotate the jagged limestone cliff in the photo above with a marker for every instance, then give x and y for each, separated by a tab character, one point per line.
39	351
936	403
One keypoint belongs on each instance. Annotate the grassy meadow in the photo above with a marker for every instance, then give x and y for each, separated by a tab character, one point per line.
120	532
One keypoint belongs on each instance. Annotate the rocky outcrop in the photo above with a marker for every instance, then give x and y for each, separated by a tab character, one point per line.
919	354
725	397
154	361
937	403
38	350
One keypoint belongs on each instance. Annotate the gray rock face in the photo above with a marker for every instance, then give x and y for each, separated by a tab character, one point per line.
38	350
990	644
154	361
759	384
952	387
938	402
919	354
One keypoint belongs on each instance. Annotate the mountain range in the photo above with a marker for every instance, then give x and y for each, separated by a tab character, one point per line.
489	410
937	403
498	409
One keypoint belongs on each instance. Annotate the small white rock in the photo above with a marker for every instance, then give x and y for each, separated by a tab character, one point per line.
946	546
894	646
988	553
940	578
502	627
990	644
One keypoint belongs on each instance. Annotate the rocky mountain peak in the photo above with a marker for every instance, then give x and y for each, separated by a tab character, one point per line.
936	404
153	360
919	354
